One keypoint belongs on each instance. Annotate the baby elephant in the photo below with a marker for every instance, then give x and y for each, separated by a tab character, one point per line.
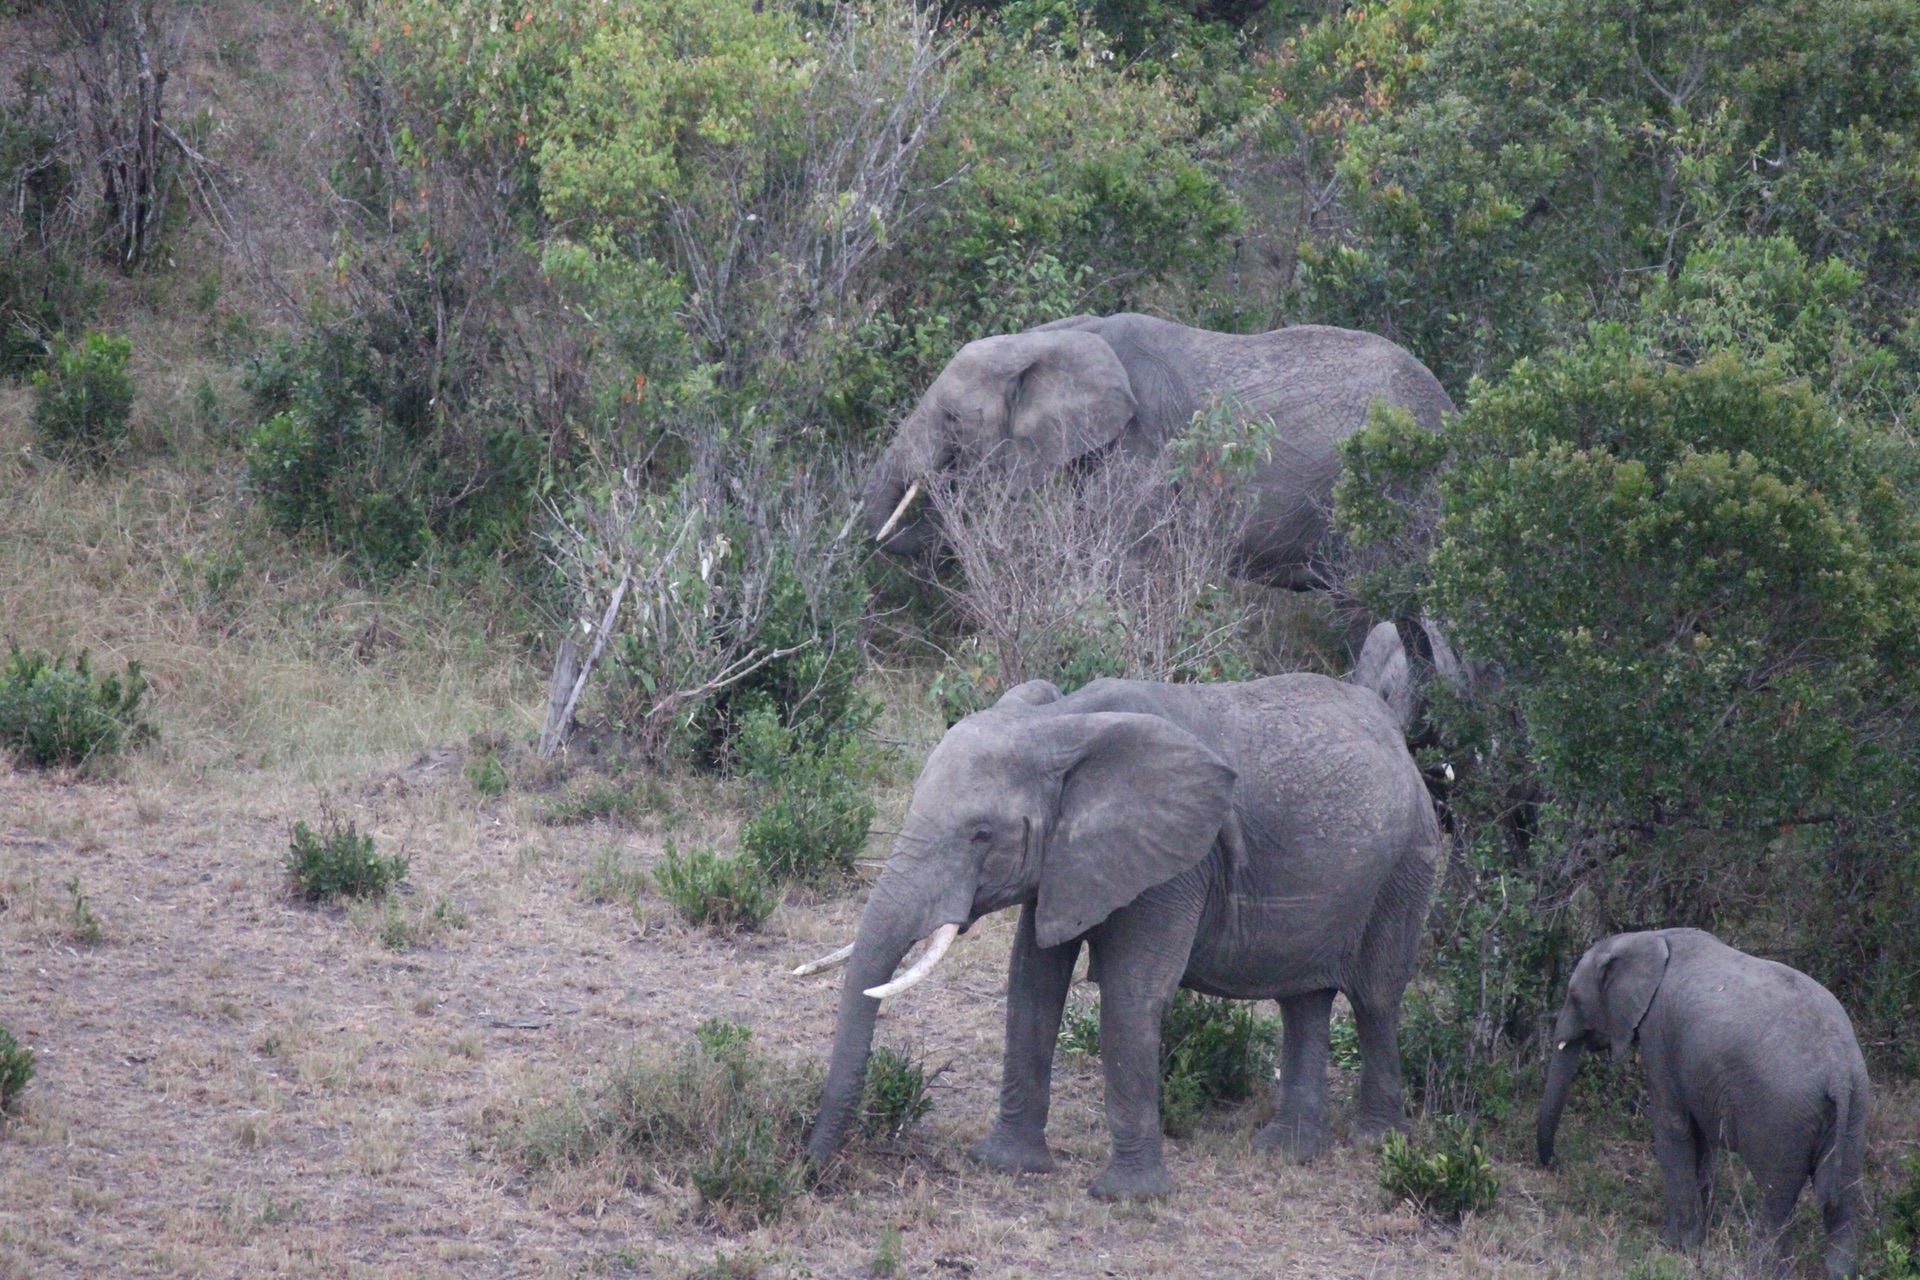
1741	1053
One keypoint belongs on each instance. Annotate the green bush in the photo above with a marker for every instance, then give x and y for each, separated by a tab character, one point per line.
486	775
814	800
52	714
725	893
1446	1179
715	1116
16	1068
896	1095
1893	1251
340	863
1211	1051
82	399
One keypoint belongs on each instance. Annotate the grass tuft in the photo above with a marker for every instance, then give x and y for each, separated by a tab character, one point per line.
341	863
722	893
1446	1178
52	714
897	1094
16	1068
715	1116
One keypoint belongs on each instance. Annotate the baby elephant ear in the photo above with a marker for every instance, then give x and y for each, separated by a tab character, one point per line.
1034	693
1141	800
1635	965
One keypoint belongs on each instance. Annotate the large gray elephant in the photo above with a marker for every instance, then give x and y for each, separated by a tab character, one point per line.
1740	1053
1067	390
1263	840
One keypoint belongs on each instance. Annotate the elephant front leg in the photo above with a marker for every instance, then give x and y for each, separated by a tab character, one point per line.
1299	1128
1130	1045
1037	982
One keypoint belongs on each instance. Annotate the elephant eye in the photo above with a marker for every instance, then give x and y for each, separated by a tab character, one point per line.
983	834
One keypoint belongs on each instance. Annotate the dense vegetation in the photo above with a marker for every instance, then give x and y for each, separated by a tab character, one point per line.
619	297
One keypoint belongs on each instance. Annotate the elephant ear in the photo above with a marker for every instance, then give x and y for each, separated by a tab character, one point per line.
1070	397
1141	800
1631	973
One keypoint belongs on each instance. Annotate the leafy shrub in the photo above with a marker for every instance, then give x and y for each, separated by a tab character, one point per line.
815	802
340	863
1211	1051
486	775
896	1096
52	714
715	1115
726	893
16	1068
82	398
1446	1179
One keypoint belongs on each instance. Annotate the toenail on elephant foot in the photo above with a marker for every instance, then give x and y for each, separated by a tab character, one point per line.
1131	1184
1005	1153
1298	1143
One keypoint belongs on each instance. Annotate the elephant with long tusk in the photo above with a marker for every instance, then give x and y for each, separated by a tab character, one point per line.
1267	840
1038	401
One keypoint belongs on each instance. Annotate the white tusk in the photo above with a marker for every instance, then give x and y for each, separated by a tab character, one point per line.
936	947
893	521
1561	1045
825	963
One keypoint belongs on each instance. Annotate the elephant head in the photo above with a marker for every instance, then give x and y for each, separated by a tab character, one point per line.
1074	814
1607	998
1027	402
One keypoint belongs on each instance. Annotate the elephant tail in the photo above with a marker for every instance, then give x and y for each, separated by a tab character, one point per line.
1843	1143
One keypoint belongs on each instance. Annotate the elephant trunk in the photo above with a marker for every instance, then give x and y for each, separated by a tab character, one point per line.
873	962
901	911
910	457
1560	1073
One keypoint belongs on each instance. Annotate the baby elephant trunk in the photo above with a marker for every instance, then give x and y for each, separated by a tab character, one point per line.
1566	1062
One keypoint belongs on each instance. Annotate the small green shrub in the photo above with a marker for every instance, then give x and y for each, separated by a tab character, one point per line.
896	1096
52	714
1211	1051
486	775
16	1068
715	1115
340	863
816	796
1080	1029
1446	1178
83	397
603	798
82	923
1894	1252
724	893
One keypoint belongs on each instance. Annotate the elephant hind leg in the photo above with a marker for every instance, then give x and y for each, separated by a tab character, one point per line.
1380	1106
1299	1128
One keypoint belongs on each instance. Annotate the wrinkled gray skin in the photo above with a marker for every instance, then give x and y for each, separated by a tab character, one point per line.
1741	1053
1383	668
1263	840
1037	401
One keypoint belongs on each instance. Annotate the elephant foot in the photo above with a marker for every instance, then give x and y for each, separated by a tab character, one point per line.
1118	1183
1371	1131
1005	1151
1298	1142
